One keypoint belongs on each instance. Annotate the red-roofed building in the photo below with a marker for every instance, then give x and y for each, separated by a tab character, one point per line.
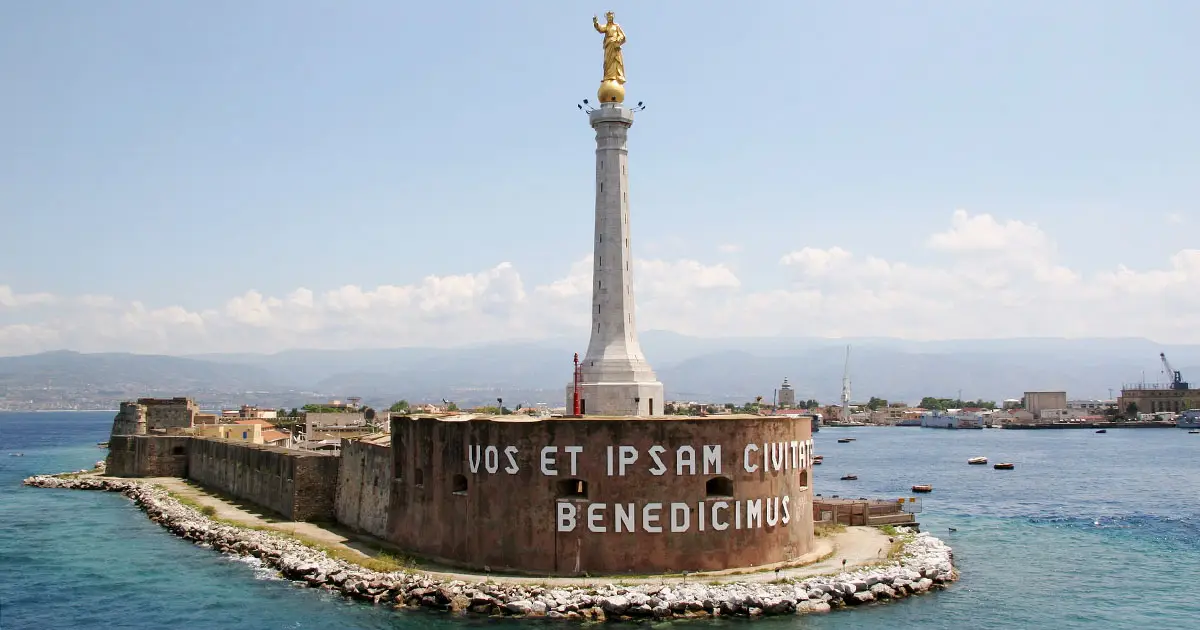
275	438
265	424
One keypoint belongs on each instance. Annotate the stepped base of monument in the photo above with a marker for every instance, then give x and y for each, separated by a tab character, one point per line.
618	399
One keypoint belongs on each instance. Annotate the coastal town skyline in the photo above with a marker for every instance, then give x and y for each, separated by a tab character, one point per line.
244	181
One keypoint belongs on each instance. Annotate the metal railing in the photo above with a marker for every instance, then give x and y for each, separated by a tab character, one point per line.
1145	386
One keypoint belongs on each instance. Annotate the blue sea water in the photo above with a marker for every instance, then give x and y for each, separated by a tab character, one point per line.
1089	531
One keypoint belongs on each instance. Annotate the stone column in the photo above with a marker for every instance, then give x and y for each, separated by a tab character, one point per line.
616	381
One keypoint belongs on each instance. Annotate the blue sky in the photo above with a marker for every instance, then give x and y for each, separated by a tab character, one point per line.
182	154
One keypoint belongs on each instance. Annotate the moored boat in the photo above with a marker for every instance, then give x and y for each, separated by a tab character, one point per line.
817	459
1005	466
977	460
922	488
1189	419
1102	431
849	477
845	440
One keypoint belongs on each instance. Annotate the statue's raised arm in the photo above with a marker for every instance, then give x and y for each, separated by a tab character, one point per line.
596	24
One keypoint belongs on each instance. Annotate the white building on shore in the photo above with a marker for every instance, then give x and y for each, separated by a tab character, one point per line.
953	419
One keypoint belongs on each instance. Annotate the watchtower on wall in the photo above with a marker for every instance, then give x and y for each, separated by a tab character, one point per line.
130	420
169	415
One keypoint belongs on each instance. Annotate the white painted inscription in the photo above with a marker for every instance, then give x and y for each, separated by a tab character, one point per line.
758	460
683	517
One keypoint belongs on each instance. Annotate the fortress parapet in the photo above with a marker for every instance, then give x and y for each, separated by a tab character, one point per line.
568	496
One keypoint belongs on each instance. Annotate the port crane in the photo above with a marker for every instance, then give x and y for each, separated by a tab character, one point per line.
1177	381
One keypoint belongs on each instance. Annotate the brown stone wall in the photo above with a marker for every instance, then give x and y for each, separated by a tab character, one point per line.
168	413
315	420
442	509
364	486
130	420
316	487
300	485
1159	400
147	456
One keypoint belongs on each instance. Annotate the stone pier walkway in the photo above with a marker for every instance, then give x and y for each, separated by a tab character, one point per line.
857	546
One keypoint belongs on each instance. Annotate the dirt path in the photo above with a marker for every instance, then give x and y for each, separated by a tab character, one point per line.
857	546
251	515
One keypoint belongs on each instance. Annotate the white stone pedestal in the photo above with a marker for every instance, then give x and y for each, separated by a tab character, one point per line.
617	381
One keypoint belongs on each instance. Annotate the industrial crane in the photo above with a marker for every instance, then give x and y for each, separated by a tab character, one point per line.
1177	381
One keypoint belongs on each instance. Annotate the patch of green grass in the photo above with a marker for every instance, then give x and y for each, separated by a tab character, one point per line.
898	544
382	561
825	530
890	530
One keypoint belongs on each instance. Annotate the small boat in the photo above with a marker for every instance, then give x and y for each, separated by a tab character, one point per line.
845	440
1005	466
922	488
1194	431
1102	431
977	460
849	477
817	459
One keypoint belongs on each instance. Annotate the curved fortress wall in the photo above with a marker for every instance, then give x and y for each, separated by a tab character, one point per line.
596	495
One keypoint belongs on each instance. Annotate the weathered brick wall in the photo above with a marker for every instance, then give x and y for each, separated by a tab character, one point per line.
300	485
168	413
130	420
364	486
333	419
147	456
316	488
457	496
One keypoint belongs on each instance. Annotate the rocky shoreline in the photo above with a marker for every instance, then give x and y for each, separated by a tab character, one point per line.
925	564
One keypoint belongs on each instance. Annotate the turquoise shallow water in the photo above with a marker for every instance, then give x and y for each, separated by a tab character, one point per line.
1090	531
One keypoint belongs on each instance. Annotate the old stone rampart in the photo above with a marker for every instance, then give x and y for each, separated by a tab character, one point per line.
364	486
924	564
169	414
596	495
130	420
300	485
147	456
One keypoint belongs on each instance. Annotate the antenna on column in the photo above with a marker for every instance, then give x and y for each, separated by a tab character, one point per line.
640	107
585	107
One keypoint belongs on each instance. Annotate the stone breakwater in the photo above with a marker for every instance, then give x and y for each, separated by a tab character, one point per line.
925	563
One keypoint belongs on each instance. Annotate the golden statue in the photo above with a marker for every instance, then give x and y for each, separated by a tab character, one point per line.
612	86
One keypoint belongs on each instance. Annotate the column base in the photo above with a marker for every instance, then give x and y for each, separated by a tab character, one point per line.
618	399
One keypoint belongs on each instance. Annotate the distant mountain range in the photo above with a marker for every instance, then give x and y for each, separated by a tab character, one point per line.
719	370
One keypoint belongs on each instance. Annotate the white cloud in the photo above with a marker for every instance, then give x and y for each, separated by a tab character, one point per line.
729	248
1175	218
992	278
983	233
12	299
814	261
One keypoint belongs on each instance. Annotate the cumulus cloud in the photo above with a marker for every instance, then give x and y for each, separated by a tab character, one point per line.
13	300
982	232
988	278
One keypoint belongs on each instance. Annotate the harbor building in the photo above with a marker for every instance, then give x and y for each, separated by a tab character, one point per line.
1090	404
1036	402
1175	396
1158	398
